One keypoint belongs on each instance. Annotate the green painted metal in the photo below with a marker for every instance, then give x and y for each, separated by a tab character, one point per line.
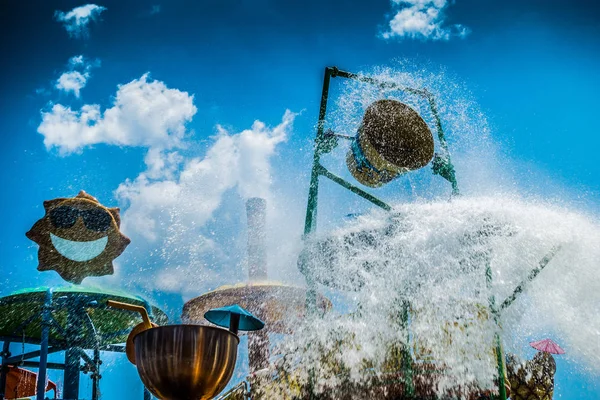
442	165
532	275
496	315
354	189
407	370
325	142
113	325
45	334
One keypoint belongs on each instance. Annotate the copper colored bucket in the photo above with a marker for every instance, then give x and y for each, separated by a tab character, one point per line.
185	362
392	139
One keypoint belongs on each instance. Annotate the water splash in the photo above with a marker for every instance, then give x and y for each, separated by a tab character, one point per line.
429	257
432	256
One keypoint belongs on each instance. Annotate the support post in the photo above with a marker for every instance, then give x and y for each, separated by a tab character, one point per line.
258	342
46	323
497	339
72	371
73	354
407	367
310	223
96	373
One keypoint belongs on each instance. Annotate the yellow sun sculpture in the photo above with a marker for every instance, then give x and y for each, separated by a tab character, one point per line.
78	237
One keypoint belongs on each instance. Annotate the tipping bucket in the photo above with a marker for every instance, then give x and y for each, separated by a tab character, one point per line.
392	139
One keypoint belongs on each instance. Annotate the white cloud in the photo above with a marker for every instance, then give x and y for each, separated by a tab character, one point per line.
72	81
76	21
76	60
422	19
192	193
145	113
169	206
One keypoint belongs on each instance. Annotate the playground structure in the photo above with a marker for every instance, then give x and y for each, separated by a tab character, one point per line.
194	360
73	320
371	165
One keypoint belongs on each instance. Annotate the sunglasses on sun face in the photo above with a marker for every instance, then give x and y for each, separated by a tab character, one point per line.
95	220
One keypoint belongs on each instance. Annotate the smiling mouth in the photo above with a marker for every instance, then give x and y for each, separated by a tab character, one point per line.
79	251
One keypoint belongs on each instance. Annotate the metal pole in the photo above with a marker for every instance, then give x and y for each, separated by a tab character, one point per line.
532	275
407	370
445	169
72	354
46	323
258	342
310	223
4	368
496	315
354	189
256	213
96	373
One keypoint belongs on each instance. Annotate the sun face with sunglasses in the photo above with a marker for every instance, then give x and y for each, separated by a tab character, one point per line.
78	237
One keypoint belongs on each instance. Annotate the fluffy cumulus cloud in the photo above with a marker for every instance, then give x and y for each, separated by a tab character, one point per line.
422	19
77	75
172	205
145	112
72	81
76	21
172	202
192	189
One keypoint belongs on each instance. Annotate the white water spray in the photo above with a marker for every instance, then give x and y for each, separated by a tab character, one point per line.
431	256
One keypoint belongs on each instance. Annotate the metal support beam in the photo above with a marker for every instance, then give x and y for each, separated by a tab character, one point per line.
310	223
72	371
354	189
497	339
32	354
532	275
46	323
407	365
96	374
35	364
73	354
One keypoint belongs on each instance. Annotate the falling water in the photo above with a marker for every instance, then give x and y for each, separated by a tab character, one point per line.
428	258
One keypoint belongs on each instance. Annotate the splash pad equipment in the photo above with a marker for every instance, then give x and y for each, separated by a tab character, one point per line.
392	139
281	306
70	320
181	362
404	374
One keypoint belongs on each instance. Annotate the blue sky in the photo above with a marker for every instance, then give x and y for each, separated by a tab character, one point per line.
218	66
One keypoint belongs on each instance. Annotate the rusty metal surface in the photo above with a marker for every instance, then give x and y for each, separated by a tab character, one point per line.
278	305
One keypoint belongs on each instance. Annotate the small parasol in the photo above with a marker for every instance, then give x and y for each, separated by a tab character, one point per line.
234	317
547	346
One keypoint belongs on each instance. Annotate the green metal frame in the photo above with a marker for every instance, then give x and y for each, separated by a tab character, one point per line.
326	141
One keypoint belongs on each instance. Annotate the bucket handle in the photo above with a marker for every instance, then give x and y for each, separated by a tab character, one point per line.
132	307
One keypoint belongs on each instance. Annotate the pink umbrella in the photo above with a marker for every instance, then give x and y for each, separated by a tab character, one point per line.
548	346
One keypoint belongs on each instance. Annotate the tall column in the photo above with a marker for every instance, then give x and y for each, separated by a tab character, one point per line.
256	211
258	342
73	354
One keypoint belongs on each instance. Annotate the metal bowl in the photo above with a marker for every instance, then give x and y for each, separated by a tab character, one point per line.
185	362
